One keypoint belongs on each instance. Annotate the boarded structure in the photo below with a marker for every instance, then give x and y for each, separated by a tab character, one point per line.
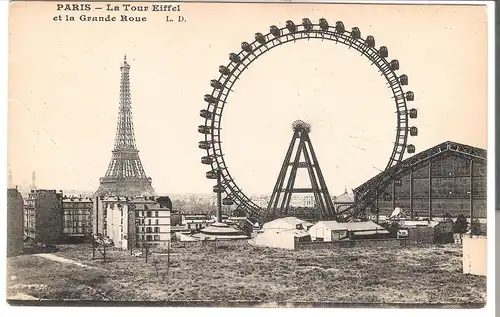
474	255
332	230
426	232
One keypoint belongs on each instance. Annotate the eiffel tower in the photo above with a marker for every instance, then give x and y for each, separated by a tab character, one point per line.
125	175
279	204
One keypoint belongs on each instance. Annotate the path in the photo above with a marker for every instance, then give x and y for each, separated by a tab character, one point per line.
56	258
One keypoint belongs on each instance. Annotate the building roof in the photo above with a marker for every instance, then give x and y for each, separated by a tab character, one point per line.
200	216
351	226
289	232
345	198
204	236
420	223
77	199
332	224
284	223
13	192
421	159
220	229
370	232
179	228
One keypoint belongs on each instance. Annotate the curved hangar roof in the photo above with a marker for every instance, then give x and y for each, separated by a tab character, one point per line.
431	154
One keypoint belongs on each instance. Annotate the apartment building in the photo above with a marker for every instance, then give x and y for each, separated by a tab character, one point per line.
15	230
42	220
77	217
133	222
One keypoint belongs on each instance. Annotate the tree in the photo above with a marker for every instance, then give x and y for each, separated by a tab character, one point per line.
461	224
476	227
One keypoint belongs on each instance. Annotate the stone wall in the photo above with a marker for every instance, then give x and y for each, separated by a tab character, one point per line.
209	243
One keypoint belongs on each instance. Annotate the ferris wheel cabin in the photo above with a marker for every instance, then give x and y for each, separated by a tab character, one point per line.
205	114
207	160
211	174
203	129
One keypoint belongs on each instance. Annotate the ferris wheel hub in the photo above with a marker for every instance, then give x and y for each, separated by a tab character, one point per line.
299	125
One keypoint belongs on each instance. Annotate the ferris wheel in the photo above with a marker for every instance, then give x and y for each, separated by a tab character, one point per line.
251	51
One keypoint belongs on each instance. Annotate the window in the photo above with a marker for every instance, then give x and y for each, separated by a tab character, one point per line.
148	230
149	222
157	229
149	213
156	214
121	221
148	238
157	238
142	229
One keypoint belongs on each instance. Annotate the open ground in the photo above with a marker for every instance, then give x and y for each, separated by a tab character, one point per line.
357	275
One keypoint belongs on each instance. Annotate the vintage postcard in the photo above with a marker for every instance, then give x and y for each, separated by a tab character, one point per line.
248	154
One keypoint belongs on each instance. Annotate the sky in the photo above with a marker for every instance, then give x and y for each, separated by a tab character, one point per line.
64	87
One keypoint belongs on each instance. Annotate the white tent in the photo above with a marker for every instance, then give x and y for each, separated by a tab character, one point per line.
398	213
283	239
287	223
282	233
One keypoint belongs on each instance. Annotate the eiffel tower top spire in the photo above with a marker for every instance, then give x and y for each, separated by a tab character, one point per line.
125	136
125	175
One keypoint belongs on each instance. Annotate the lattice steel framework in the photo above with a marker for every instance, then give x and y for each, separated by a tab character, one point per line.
285	184
125	175
377	183
291	33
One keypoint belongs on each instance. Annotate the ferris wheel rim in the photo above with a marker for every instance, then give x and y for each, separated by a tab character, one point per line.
259	48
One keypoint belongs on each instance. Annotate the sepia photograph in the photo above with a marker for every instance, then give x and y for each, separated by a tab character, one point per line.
227	154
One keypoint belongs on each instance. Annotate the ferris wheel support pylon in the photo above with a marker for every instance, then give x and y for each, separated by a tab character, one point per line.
291	32
279	204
